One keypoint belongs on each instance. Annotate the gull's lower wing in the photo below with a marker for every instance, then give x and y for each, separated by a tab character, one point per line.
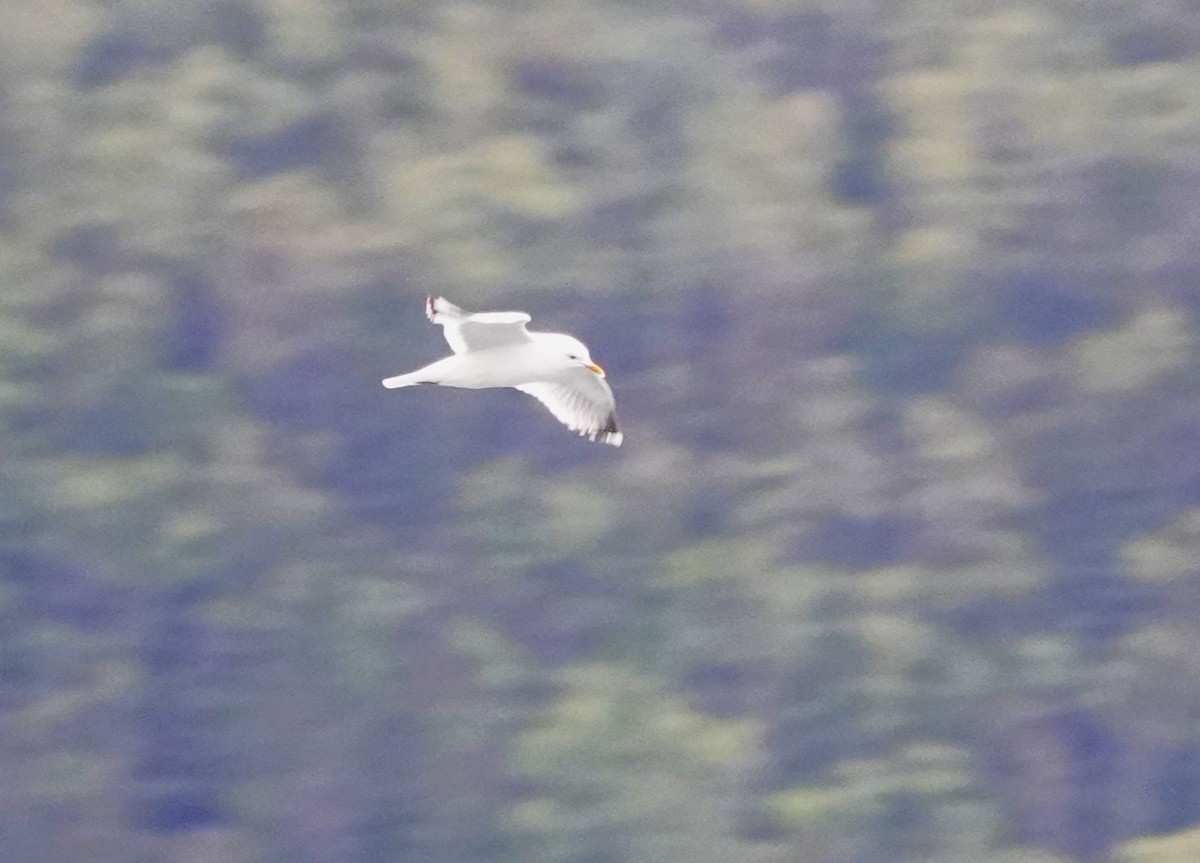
584	404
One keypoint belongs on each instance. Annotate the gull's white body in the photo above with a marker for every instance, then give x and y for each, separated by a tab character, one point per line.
493	349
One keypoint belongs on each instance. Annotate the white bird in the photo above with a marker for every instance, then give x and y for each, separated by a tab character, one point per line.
493	349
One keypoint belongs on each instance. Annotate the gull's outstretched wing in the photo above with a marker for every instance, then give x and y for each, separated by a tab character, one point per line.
466	331
583	403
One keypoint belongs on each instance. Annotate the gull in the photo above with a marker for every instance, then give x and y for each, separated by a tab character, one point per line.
493	349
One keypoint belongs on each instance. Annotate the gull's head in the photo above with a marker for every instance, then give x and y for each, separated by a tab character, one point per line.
573	351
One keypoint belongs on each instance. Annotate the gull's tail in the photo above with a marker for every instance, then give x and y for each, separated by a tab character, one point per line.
408	380
434	373
439	309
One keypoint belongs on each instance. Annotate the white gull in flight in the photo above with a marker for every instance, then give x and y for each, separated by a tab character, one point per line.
493	349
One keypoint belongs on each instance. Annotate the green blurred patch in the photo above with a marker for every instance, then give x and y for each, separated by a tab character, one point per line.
1181	847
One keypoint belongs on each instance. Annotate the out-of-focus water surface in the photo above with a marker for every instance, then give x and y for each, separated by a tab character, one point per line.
900	560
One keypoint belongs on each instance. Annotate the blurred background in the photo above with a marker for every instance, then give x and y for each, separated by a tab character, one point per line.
899	561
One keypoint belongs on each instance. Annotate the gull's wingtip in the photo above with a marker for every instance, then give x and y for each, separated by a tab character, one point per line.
438	309
612	438
608	433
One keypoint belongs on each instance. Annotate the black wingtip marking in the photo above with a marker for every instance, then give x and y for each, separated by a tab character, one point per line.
609	434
